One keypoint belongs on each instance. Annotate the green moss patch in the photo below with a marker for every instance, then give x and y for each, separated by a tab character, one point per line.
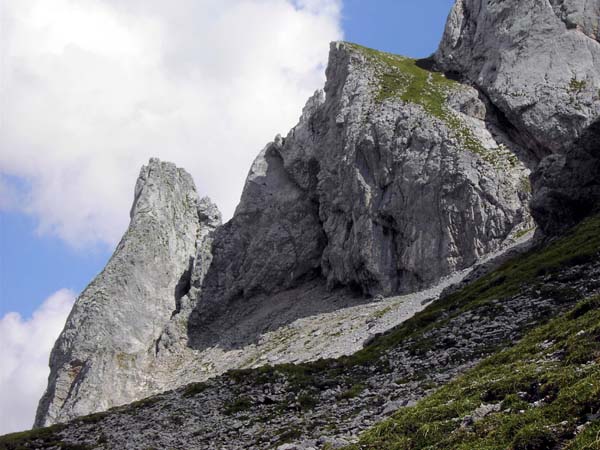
354	391
576	85
237	405
194	389
404	78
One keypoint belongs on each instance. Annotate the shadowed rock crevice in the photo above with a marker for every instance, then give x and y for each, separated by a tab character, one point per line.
567	186
183	285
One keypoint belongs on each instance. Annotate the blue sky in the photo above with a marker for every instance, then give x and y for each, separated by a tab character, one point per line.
406	27
33	265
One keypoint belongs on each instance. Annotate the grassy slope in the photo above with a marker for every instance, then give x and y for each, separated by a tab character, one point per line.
580	245
568	384
545	387
416	427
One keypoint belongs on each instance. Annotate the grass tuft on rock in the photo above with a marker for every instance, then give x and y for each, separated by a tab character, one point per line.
409	80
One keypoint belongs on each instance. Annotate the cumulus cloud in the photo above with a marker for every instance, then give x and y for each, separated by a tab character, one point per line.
25	349
90	89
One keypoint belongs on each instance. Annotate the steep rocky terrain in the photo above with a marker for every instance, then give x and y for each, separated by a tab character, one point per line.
550	379
394	178
400	175
102	355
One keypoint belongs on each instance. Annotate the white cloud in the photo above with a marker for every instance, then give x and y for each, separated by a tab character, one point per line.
90	89
24	352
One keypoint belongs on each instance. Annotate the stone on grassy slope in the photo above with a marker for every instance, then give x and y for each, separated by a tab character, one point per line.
101	357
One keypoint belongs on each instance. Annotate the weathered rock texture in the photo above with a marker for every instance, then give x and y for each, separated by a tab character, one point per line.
327	404
538	62
394	177
567	186
100	358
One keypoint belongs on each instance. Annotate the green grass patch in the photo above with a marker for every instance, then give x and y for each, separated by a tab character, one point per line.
194	389
543	397
48	437
382	312
237	405
522	233
288	435
408	80
307	400
143	403
576	85
354	391
92	418
588	439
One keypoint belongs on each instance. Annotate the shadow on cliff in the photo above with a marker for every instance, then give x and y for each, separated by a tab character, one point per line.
239	322
567	185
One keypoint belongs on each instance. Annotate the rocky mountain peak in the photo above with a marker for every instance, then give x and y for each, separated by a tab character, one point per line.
394	177
537	61
117	320
208	213
399	173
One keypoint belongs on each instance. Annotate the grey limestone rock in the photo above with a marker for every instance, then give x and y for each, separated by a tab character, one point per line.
583	16
539	63
394	177
375	194
111	335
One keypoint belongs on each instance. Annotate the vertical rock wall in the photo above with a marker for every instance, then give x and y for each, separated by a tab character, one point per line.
539	63
99	360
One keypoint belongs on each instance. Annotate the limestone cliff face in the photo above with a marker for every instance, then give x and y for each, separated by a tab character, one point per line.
394	177
538	62
100	358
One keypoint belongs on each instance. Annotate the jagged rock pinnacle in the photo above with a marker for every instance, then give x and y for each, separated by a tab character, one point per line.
99	358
